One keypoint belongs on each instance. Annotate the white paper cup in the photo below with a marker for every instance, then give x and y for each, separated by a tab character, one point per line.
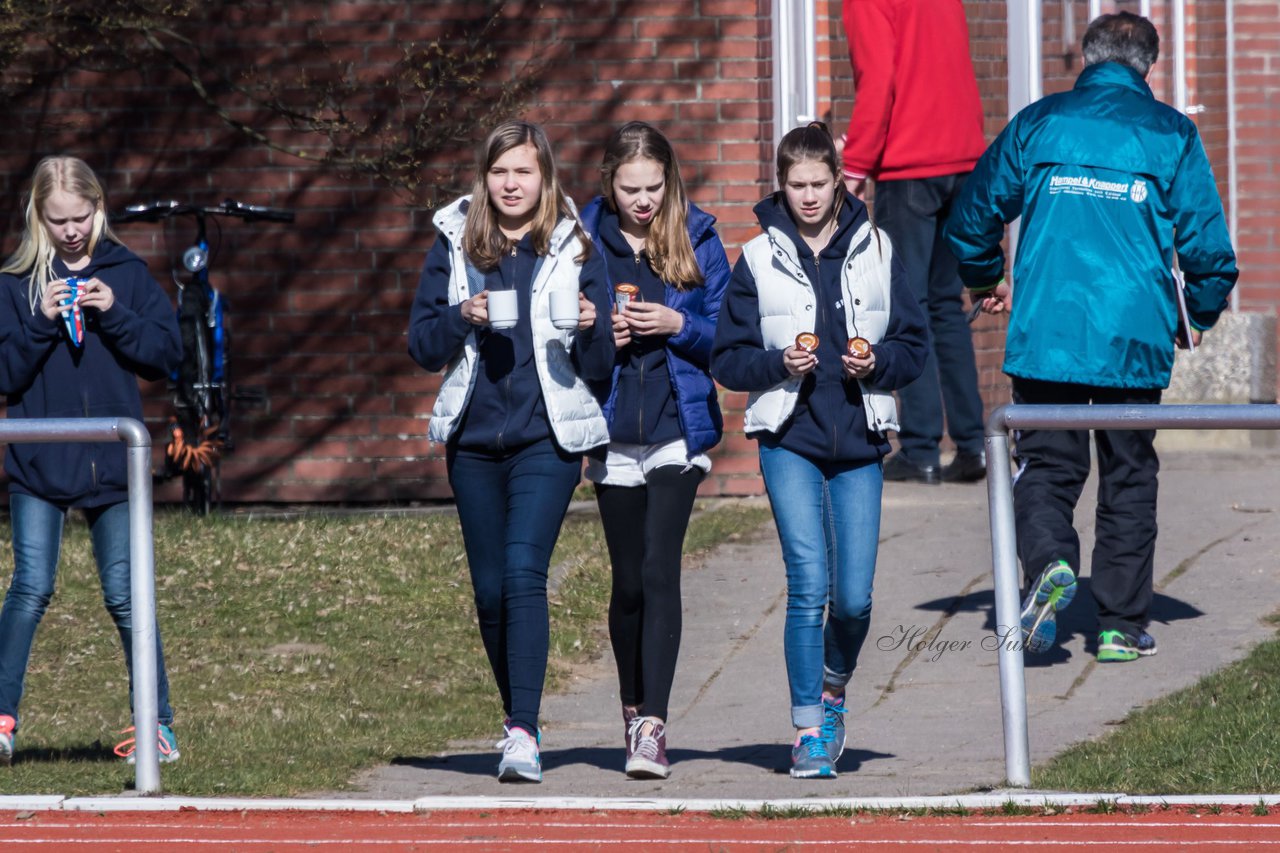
564	309
504	310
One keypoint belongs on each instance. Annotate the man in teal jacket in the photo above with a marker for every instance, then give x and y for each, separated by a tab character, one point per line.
1110	184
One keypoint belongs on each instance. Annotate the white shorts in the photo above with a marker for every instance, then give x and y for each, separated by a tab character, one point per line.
630	464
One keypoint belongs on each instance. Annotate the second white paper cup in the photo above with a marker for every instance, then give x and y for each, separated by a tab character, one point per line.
564	309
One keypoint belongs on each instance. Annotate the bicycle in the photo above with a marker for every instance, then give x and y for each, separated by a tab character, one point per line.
200	428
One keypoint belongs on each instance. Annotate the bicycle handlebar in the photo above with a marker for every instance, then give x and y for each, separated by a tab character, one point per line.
157	210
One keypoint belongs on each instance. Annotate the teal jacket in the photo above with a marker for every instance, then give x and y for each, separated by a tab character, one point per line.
1109	183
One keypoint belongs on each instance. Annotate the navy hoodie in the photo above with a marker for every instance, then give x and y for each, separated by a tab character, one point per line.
44	375
829	423
645	405
505	410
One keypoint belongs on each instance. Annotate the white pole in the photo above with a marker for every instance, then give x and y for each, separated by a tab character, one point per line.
781	71
1179	55
1095	9
795	77
1025	70
1233	217
809	54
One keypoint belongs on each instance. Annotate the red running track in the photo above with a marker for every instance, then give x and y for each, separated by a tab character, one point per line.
253	831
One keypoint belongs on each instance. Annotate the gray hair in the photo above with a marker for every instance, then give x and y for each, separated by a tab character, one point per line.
1123	37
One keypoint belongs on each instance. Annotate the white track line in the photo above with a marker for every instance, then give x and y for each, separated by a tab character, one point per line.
995	800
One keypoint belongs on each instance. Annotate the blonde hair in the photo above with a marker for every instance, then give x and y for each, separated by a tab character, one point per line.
482	239
670	251
36	252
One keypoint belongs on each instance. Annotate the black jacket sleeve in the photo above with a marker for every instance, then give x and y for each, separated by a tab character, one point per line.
437	330
593	348
901	353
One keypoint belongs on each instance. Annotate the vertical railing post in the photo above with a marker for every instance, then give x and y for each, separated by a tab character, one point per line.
1004	566
142	585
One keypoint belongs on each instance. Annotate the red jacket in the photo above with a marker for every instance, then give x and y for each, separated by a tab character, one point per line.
916	112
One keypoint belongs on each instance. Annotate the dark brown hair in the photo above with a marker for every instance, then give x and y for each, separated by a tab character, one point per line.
812	142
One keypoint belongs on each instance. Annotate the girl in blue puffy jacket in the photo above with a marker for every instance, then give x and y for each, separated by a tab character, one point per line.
662	412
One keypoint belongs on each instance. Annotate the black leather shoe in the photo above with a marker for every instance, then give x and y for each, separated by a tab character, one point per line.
902	470
966	468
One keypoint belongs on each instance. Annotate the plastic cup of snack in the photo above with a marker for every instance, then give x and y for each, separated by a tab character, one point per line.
859	347
626	293
807	342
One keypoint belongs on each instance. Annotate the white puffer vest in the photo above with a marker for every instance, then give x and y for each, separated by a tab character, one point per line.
576	420
787	308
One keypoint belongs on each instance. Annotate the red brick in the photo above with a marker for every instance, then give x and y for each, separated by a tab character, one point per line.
320	307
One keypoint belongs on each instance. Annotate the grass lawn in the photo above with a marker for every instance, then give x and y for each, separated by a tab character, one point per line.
299	650
1218	736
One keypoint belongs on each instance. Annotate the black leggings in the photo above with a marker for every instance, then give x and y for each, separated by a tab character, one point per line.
644	527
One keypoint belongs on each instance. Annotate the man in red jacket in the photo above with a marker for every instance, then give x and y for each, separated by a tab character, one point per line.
916	131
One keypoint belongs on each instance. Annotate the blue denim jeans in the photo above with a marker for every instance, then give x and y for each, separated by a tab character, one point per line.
37	543
828	518
511	506
912	212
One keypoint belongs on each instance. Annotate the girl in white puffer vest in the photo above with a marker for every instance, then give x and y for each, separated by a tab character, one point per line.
818	324
514	409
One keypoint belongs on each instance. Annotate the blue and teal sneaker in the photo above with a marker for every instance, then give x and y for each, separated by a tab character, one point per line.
832	730
1052	592
809	759
167	746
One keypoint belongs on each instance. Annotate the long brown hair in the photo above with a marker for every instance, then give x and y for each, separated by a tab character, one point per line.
36	252
670	252
482	239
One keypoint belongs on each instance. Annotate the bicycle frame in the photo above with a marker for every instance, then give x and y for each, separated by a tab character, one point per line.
200	429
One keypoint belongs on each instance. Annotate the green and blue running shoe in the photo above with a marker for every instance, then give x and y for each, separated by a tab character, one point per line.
809	759
1052	592
832	730
1118	647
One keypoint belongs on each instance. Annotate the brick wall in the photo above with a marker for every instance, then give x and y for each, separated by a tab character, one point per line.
1258	110
320	307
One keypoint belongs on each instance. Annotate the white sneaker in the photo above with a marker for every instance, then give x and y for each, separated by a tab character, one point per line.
520	759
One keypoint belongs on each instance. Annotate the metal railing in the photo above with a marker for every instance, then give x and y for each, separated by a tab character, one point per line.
1004	552
142	579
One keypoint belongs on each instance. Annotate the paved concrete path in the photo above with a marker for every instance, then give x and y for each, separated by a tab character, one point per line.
925	702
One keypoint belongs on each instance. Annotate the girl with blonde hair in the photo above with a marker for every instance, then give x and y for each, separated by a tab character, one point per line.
81	320
662	411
